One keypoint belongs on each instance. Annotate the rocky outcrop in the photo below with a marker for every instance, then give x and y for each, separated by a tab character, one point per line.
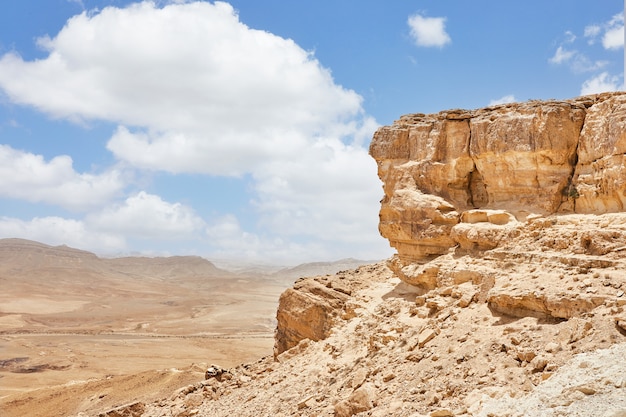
310	308
507	296
130	410
394	349
305	311
492	205
475	179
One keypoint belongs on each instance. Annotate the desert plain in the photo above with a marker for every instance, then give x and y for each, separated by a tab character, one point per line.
81	334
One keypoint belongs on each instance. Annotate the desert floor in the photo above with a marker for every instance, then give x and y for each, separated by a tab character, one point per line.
86	339
64	374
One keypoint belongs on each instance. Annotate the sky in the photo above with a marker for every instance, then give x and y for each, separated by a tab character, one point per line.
239	130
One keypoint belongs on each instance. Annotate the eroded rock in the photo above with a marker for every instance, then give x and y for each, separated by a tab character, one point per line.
464	177
129	410
306	311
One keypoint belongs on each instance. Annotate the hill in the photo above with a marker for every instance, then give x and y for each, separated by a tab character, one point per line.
74	326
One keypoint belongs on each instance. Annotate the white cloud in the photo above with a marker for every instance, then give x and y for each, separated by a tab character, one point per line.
600	84
295	202
30	177
190	71
227	239
576	60
141	217
429	31
147	216
194	90
503	100
78	2
234	152
613	37
591	33
570	37
611	34
59	231
562	55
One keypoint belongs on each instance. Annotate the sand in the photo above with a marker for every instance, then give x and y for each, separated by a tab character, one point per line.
80	334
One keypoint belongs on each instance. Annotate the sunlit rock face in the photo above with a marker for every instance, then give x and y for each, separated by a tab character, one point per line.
600	178
474	178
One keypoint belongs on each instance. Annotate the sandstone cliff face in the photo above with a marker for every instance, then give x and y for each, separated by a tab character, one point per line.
307	311
508	293
493	168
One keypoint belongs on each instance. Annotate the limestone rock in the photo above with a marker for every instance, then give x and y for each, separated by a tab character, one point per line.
426	336
362	399
442	412
387	360
306	312
415	273
620	322
418	223
215	371
310	308
129	410
600	177
540	304
468	177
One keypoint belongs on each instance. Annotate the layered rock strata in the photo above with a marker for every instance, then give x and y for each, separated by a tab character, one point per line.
306	311
473	178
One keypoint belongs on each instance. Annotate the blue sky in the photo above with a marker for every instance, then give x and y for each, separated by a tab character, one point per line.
240	130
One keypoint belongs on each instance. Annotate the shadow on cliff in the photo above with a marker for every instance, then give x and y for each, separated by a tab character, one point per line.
405	291
505	319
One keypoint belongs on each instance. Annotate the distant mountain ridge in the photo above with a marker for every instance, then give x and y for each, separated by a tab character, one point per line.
320	268
22	256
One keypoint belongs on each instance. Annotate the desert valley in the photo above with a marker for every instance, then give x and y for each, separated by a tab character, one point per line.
79	333
506	297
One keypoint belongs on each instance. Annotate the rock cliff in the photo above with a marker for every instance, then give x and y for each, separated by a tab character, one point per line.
469	177
506	296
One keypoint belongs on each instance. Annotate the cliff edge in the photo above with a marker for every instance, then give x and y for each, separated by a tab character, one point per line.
506	296
478	179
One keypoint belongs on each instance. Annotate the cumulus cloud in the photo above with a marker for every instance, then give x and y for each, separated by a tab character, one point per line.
610	33
601	83
191	77
30	177
228	239
303	216
142	216
147	216
428	31
55	230
510	98
304	203
613	37
194	90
